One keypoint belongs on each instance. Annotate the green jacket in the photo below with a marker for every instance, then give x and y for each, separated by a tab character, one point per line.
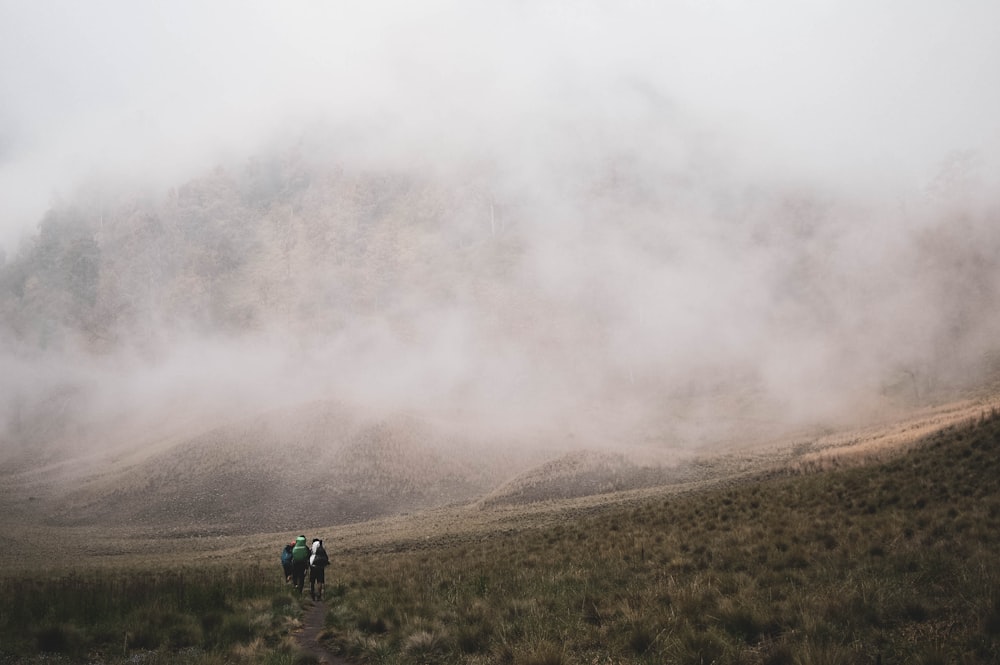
301	551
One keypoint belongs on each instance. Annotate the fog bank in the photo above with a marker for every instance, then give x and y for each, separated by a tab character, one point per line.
633	220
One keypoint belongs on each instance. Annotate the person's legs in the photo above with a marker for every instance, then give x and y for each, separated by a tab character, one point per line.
318	574
299	575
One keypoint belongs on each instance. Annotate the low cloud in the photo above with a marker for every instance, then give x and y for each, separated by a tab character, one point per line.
794	199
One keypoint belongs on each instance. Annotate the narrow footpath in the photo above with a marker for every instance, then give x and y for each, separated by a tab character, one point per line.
307	637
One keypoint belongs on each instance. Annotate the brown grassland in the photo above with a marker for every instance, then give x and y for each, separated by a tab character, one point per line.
877	547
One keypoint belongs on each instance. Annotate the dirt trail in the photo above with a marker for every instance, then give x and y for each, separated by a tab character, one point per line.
308	636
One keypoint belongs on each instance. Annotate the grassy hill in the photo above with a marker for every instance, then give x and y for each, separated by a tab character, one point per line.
892	561
876	554
326	464
318	463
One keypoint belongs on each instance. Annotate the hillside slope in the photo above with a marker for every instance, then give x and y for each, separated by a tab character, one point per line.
319	463
324	464
894	560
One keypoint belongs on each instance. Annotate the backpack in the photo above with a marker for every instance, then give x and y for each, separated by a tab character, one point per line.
286	556
321	558
300	552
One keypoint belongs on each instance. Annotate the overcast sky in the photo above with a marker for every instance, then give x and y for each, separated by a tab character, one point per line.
717	112
857	96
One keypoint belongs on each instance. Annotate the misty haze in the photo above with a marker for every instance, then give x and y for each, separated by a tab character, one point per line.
583	332
530	230
479	254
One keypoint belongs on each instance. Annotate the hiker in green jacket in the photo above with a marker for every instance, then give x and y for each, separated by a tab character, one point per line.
300	562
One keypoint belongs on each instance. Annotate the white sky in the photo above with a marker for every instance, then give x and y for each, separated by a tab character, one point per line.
857	96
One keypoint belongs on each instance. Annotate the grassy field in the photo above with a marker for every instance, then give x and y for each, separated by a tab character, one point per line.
895	561
891	558
194	615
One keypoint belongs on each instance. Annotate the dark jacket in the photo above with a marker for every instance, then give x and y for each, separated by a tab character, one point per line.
319	557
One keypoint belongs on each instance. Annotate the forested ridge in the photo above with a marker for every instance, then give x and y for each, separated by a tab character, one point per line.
305	245
276	243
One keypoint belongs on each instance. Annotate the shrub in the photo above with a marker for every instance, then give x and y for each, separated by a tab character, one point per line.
542	654
473	637
825	654
60	638
422	645
372	625
744	624
185	632
641	638
698	646
235	629
281	602
591	614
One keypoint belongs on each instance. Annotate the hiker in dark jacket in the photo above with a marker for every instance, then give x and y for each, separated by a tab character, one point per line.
286	561
300	562
317	569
